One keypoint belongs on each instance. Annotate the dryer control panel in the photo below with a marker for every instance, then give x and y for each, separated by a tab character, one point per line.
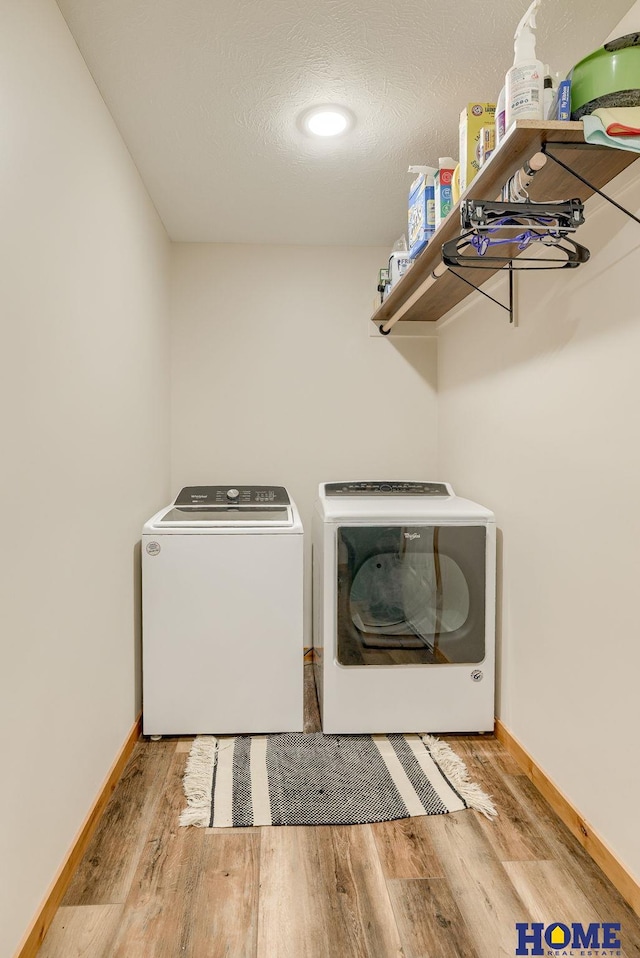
386	489
247	496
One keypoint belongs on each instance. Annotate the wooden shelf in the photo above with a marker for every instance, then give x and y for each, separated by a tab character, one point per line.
599	165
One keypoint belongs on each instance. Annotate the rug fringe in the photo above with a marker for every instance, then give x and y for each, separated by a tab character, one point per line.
457	773
197	781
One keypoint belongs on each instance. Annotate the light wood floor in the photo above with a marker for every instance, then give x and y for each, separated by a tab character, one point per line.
447	886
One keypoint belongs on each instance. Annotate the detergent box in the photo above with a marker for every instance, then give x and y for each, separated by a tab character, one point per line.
473	118
561	106
421	210
486	144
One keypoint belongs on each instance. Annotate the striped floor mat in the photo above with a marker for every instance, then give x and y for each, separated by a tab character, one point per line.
301	779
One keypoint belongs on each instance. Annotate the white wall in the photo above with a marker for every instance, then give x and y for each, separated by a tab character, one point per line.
84	413
541	423
277	380
630	23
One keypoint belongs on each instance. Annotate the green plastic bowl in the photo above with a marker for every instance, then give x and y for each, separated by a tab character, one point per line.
609	77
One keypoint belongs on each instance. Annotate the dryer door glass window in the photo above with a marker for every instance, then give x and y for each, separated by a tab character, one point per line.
411	595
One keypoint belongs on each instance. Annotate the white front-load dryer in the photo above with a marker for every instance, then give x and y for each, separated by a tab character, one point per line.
403	608
222	629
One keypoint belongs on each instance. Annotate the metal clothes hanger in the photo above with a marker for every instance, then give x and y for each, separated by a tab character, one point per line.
488	225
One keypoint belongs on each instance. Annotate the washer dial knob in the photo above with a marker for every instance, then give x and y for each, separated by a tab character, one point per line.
232	493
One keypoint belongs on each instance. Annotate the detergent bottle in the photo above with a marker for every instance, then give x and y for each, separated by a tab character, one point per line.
442	187
524	82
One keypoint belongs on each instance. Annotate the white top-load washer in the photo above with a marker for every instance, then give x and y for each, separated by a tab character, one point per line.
222	633
403	609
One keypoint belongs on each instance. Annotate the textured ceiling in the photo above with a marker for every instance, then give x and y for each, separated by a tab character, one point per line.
207	93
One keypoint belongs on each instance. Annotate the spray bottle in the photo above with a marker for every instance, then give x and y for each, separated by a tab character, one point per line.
524	82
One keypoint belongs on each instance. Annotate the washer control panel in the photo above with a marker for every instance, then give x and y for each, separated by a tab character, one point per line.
247	496
386	489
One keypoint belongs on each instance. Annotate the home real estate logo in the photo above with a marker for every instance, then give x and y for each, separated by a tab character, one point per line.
596	940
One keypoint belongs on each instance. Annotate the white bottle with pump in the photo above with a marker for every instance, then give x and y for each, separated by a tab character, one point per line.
524	82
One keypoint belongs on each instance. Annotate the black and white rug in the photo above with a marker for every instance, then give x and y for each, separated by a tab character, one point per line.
302	779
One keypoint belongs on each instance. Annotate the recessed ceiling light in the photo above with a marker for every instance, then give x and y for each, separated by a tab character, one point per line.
327	120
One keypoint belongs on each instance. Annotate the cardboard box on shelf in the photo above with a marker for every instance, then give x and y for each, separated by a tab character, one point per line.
473	118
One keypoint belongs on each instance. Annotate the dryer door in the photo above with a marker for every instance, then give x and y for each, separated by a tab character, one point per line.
411	595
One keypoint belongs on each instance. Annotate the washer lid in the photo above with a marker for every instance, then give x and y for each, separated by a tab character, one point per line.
207	516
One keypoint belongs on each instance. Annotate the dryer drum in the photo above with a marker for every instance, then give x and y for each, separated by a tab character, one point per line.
413	597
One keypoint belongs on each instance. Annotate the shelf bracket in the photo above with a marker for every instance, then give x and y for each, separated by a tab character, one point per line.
509	309
578	176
